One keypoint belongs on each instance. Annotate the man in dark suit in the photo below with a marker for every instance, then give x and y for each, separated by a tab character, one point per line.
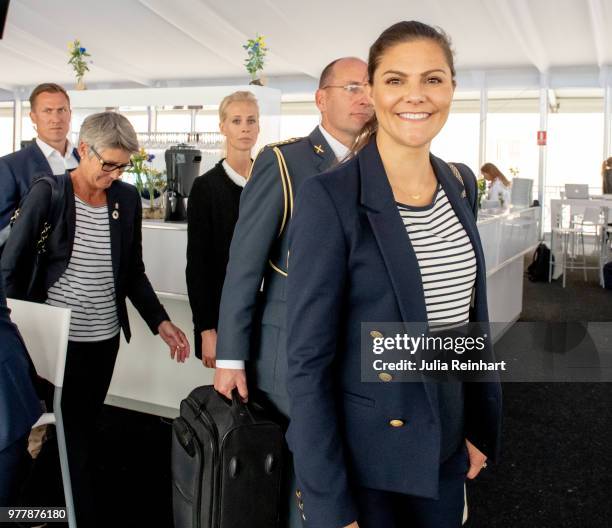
252	319
50	154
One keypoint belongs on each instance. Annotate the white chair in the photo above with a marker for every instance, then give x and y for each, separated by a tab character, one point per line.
521	192
590	222
45	332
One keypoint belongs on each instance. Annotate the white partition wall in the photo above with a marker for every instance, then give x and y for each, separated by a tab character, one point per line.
145	378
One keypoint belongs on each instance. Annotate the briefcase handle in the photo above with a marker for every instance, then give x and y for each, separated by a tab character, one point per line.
241	410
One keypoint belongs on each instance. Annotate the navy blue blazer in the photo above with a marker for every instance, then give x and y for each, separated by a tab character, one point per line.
350	262
17	172
125	223
19	405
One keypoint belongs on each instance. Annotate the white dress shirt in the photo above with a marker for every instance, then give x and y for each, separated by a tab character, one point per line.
340	151
59	164
497	188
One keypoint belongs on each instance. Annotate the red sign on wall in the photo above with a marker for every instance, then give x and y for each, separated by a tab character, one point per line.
541	137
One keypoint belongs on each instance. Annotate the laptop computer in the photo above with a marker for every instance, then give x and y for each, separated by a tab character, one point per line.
577	191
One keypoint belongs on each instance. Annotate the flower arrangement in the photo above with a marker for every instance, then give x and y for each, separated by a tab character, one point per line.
514	171
77	55
147	178
482	190
256	50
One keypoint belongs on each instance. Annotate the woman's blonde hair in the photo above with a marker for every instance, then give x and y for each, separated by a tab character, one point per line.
236	97
492	170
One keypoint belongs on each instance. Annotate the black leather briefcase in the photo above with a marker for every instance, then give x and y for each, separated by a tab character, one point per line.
227	463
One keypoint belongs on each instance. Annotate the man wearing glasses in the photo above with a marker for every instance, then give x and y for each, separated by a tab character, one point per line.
251	329
50	154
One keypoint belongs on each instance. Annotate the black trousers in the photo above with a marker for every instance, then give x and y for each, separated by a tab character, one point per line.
13	460
88	373
395	510
278	406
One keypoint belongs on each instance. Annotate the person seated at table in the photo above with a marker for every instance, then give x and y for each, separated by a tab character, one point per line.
606	176
90	225
499	185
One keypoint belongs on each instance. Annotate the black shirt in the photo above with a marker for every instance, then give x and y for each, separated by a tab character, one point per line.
212	213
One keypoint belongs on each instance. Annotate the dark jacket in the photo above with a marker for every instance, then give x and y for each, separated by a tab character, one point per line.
125	219
352	262
211	217
252	323
17	172
19	405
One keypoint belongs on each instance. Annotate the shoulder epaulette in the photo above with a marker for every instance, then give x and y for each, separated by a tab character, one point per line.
284	142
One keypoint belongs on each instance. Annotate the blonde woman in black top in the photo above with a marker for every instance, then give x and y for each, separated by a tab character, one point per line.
212	215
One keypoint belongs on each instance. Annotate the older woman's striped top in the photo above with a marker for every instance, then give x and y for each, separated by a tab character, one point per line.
446	258
87	286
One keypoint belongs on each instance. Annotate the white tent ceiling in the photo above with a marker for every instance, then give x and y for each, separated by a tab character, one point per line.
190	42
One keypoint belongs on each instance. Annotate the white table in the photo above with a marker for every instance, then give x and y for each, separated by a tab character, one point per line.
507	236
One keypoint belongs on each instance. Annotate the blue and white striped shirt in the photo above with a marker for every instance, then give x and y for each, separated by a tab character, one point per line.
446	258
87	286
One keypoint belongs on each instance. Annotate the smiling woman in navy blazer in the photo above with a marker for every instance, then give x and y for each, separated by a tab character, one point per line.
387	454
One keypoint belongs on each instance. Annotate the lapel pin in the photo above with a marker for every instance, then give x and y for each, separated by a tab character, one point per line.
319	149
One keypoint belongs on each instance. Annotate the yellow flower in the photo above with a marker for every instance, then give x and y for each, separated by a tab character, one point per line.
70	46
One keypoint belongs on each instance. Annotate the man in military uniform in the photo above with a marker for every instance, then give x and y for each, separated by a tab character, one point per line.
251	328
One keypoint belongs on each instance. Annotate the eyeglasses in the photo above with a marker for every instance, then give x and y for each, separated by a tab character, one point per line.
351	89
110	167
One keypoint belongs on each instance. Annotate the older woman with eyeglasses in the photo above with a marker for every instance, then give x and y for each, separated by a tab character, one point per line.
88	225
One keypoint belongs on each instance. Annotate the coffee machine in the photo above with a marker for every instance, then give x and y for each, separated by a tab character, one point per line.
182	167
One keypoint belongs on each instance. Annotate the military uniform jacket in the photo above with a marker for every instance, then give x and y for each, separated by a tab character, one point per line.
252	317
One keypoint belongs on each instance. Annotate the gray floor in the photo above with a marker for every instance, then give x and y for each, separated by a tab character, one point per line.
557	437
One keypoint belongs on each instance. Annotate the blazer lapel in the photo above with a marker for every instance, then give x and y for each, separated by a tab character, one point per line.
114	221
395	247
454	192
325	156
391	236
42	165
